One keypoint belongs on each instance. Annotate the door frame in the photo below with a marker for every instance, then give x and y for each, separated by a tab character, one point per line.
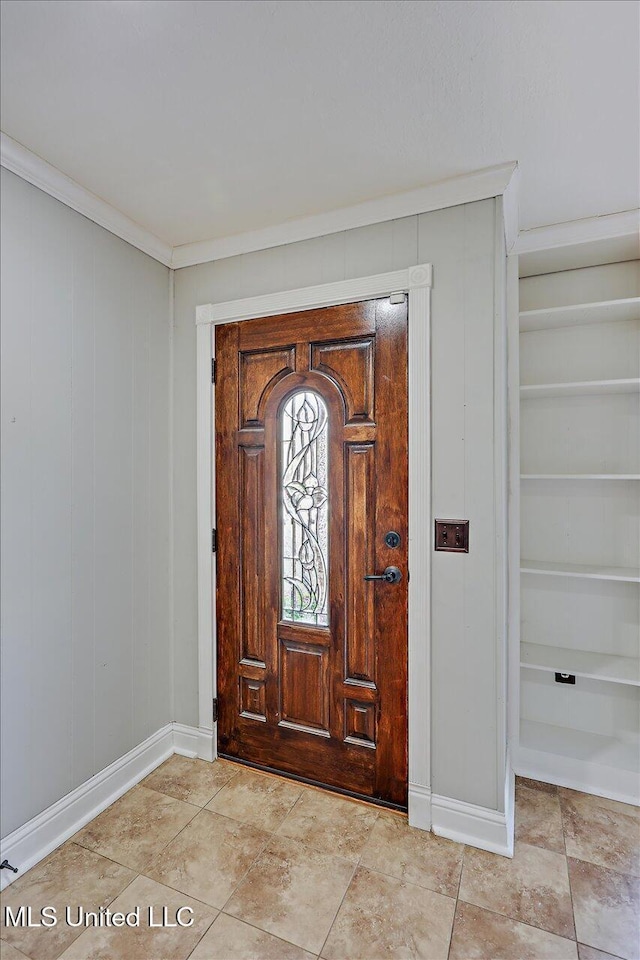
415	282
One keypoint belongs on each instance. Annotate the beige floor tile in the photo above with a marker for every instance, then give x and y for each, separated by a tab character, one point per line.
590	953
482	935
69	877
293	892
136	827
330	824
145	942
384	917
538	818
601	833
209	858
607	909
254	798
195	781
7	952
587	801
231	939
416	856
532	888
536	785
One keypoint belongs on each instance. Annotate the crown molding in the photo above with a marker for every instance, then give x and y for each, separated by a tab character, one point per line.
490	182
24	163
480	185
578	242
511	211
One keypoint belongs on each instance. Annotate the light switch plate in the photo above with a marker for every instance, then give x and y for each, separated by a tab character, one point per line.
452	536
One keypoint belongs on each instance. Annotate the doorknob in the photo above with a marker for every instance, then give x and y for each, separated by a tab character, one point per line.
391	575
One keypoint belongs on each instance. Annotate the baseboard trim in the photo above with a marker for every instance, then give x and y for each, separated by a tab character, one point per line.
30	843
194	742
510	802
33	841
419	806
467	823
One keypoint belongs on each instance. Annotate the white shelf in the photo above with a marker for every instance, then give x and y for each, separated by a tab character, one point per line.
561	618
580	476
580	388
582	570
580	745
582	663
603	311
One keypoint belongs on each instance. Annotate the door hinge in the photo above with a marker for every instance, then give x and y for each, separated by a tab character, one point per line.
214	540
213	370
214	711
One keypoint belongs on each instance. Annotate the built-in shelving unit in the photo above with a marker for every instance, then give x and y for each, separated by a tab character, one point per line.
579	313
580	530
582	663
582	746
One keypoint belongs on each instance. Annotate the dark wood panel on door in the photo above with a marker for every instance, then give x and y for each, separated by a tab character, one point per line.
311	473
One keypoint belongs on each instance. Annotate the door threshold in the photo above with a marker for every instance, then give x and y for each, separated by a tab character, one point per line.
400	808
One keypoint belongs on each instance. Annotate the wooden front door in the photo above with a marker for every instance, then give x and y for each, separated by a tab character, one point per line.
311	494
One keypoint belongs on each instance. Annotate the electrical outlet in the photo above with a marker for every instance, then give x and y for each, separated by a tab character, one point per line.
452	536
565	678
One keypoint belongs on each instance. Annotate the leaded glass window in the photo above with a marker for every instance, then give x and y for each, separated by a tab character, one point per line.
304	515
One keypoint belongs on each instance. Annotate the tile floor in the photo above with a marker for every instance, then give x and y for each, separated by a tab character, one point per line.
273	870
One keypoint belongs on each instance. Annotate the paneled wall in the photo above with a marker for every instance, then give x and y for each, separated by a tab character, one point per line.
86	654
467	620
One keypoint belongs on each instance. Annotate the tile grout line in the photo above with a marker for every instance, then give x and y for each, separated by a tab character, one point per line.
580	860
455	903
254	926
244	875
143	876
335	916
95	852
204	933
357	864
270	835
196	808
456	900
231	820
525	923
566	860
108	904
275	833
196	760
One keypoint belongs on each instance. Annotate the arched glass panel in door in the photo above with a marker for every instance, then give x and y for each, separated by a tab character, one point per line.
304	540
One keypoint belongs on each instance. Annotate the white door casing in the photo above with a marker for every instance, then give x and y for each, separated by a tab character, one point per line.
415	282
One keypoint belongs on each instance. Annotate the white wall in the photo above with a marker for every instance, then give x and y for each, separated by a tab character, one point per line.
86	649
87	583
467	624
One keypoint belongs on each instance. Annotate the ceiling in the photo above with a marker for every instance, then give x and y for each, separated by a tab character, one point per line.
202	119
